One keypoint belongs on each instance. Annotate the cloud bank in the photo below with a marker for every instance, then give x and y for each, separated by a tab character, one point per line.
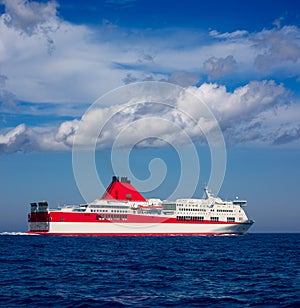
85	62
249	114
49	66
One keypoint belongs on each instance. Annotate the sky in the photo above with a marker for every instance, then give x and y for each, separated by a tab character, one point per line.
175	95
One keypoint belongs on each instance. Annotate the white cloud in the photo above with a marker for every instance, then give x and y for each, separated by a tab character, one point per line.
229	35
287	136
250	114
277	46
32	18
218	67
85	62
27	139
28	16
246	114
66	132
13	140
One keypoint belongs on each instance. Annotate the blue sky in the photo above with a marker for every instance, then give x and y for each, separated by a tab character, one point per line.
242	59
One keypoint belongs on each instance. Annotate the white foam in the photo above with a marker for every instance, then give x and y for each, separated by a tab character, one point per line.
14	233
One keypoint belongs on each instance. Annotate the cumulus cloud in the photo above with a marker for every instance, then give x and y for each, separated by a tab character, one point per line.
28	16
89	61
13	140
277	46
250	114
263	53
32	18
27	139
244	102
247	115
66	132
288	136
216	68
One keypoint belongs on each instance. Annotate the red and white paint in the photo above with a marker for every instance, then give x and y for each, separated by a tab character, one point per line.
123	211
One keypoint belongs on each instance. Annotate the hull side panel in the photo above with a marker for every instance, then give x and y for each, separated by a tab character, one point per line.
107	229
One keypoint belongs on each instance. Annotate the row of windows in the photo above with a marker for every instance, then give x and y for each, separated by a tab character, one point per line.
192	205
111	217
109	206
112	211
231	211
194	218
203	210
194	210
201	218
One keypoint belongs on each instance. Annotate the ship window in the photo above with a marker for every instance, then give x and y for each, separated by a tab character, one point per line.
231	219
214	218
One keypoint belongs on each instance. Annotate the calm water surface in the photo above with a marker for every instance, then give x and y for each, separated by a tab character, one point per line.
255	270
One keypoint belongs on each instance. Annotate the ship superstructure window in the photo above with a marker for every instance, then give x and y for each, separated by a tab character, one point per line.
109	206
231	219
79	210
111	217
225	211
198	218
193	210
214	218
169	206
188	218
128	196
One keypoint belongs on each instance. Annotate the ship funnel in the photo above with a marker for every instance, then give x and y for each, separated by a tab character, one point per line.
122	190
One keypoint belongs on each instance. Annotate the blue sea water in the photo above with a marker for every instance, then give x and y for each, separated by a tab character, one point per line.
255	270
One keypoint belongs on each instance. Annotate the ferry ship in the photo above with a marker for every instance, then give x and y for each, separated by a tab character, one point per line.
123	211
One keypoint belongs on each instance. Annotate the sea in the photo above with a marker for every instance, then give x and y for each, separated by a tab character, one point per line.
253	270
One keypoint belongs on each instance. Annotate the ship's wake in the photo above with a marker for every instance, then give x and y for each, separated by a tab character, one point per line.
14	233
